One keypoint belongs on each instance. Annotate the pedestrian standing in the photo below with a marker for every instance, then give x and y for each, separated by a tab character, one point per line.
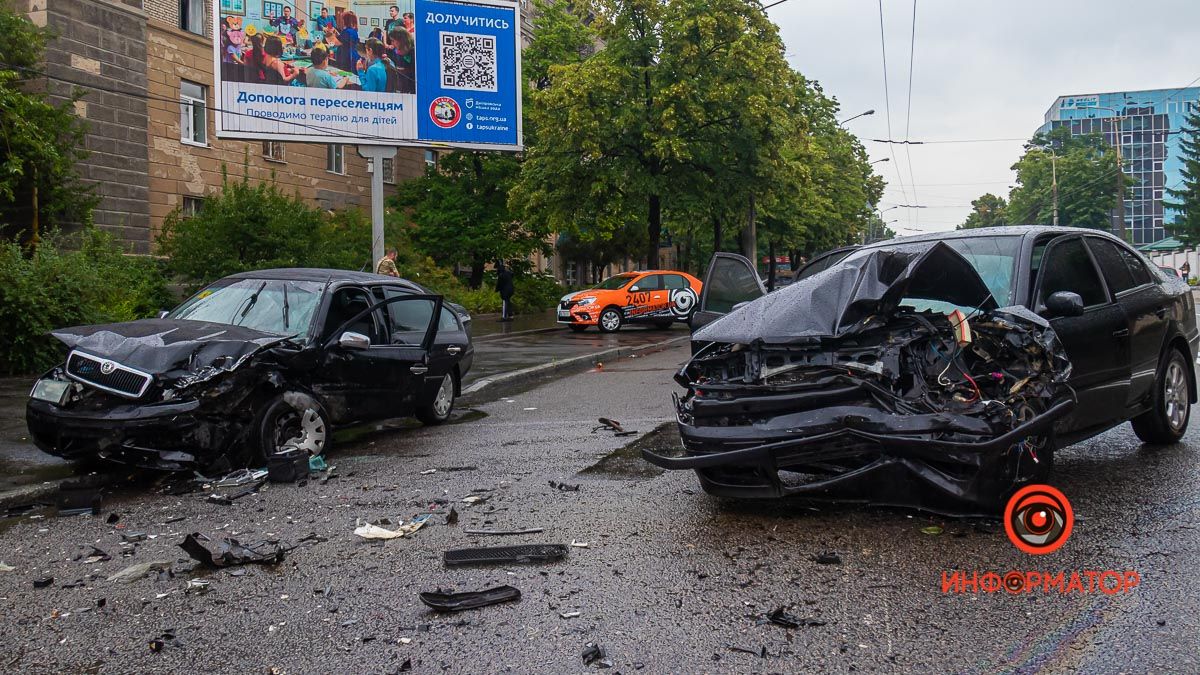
1185	270
504	286
387	264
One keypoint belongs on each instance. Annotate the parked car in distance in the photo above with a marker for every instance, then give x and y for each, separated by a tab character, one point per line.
939	371
251	365
1170	271
656	297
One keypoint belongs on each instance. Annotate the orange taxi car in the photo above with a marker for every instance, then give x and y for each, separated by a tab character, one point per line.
656	297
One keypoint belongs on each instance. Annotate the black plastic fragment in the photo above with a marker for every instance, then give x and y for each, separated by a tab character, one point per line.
43	582
457	602
828	559
500	555
780	617
231	552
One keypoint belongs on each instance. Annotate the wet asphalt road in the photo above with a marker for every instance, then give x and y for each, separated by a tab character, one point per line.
670	580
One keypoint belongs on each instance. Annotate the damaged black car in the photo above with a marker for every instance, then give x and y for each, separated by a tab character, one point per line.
254	364
931	372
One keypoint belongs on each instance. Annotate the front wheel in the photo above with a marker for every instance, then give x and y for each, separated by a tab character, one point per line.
1167	420
438	410
610	320
293	420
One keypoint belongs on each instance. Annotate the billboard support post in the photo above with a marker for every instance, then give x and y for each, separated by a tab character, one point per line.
377	153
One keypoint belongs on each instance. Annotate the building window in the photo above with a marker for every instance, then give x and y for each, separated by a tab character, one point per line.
191	16
431	157
1158	194
192	206
273	151
335	160
1158	166
193	114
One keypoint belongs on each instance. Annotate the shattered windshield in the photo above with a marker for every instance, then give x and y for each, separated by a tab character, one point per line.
270	305
613	283
993	258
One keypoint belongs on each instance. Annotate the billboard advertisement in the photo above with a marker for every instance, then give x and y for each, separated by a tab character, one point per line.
369	72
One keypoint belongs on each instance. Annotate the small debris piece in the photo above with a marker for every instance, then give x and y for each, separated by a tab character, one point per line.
406	666
317	463
568	615
530	530
614	426
241	477
131	537
780	617
828	559
135	572
96	556
173	519
426	472
594	654
43	582
112	518
231	552
564	487
761	652
932	529
475	499
197	586
369	531
452	517
160	642
499	555
579	544
6	568
457	602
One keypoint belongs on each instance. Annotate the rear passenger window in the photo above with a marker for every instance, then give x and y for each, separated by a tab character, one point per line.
1116	271
674	281
1067	267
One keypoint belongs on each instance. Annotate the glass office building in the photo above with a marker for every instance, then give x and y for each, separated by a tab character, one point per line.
1146	125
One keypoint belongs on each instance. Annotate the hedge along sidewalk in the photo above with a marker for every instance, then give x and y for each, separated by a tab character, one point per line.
503	384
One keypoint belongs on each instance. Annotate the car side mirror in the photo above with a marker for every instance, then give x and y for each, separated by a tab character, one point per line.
352	340
162	313
634	289
1064	303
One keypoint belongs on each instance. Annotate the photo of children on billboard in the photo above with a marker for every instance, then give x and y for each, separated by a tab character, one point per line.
371	49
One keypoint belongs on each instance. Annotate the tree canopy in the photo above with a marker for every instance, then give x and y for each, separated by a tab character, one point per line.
1186	198
986	211
1087	171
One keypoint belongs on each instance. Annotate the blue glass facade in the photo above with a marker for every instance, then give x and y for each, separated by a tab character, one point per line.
1146	125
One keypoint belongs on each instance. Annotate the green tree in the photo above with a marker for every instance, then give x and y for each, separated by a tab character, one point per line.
1187	225
459	212
1087	169
986	211
40	142
679	103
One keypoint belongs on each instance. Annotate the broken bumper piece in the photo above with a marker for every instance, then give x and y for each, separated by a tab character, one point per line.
857	465
161	436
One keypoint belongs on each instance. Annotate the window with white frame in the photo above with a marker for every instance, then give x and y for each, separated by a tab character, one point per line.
335	159
273	151
193	113
191	16
1158	194
389	170
192	206
431	157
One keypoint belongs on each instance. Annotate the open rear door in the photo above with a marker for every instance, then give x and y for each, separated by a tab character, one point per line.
731	280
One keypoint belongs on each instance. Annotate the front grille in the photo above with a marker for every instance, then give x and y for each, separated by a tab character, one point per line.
121	380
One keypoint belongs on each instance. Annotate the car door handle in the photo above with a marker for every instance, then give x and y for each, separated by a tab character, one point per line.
419	369
453	349
1123	332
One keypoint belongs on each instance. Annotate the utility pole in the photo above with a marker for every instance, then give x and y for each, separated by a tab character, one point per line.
1054	183
1120	184
376	153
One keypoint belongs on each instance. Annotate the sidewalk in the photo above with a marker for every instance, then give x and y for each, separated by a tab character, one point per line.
489	326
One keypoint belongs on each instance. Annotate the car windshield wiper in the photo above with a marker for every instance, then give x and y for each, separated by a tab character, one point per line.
285	305
251	300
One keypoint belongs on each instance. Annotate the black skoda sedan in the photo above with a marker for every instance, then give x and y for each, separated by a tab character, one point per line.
254	364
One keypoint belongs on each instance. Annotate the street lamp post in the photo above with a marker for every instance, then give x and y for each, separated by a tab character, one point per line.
861	114
881	160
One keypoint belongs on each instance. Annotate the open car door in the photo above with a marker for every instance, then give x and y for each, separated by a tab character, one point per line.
730	280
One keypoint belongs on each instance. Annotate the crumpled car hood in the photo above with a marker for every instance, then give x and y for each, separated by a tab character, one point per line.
157	346
838	300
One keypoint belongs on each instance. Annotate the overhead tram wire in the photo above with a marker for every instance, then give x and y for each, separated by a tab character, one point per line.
912	51
887	102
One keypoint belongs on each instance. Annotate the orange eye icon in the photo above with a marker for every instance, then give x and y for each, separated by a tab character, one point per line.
1038	519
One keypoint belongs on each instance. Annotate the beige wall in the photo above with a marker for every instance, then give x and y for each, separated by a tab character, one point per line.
178	169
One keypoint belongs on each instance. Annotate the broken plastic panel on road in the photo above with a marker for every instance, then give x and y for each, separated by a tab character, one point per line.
893	378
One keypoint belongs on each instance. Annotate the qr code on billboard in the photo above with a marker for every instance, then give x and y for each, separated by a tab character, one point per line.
468	62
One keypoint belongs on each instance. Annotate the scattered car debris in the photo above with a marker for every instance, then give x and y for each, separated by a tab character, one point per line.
568	615
6	568
594	654
369	531
97	555
614	426
457	602
228	500
500	555
231	552
164	640
452	517
529	530
476	499
579	544
564	487
242	477
828	559
135	572
932	529
132	537
781	617
197	586
112	518
43	582
426	472
287	466
316	463
761	652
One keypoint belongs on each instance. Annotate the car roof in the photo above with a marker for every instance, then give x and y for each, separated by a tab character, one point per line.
1000	231
314	274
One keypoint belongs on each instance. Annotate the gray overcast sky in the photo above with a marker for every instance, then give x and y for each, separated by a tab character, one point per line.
981	70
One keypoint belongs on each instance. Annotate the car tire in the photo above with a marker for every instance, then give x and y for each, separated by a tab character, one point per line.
1167	419
664	324
438	409
578	327
610	320
292	419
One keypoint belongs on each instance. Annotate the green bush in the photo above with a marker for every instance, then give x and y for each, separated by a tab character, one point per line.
54	288
536	292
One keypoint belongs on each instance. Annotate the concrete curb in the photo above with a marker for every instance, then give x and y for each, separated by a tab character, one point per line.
28	494
502	381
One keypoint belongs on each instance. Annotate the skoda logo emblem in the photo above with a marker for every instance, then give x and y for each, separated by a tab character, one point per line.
107	367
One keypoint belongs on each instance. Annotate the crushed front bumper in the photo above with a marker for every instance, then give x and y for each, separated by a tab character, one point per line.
856	465
170	436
